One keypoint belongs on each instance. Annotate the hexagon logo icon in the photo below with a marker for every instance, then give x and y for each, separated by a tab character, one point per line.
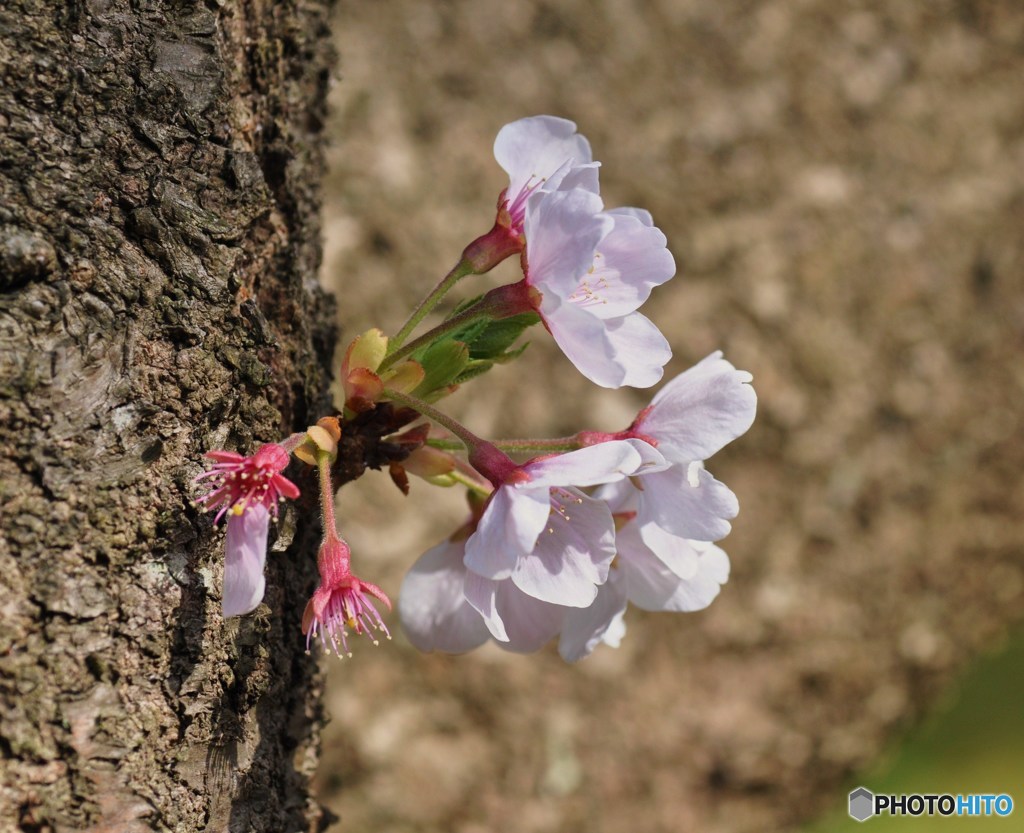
862	804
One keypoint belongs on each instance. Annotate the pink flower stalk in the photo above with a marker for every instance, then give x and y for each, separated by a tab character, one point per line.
538	529
248	490
341	602
537	152
692	417
587	271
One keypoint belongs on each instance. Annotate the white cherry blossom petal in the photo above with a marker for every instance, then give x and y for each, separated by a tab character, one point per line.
482	595
586	628
530	624
593	465
701	410
639	348
509	528
531	150
563	229
433	609
688	502
572	555
631	260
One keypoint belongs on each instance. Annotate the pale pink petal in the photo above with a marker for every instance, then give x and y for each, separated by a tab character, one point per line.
530	624
530	150
572	555
652	586
508	529
516	621
432	607
639	348
593	465
642	214
577	176
688	502
562	230
585	628
245	553
621	496
631	260
675	553
701	410
482	594
581	336
620	351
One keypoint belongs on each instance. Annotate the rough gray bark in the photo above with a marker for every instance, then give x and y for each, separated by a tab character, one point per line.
159	164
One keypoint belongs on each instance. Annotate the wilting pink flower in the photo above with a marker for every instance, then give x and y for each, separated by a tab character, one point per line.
540	531
247	490
238	483
342	601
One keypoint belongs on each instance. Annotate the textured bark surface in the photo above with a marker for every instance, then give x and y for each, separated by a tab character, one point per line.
159	172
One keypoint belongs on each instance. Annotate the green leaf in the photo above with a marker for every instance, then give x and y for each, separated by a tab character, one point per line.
442	361
498	336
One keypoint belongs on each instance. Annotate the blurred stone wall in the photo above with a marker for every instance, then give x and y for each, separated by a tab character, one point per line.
843	187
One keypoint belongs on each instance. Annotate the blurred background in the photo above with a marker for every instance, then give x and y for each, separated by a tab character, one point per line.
842	185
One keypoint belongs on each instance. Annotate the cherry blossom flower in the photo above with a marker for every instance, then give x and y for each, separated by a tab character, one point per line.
539	530
445	607
238	483
589	293
247	490
691	418
342	601
586	273
541	152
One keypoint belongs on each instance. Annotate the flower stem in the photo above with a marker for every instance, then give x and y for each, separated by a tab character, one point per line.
470	483
470	439
557	444
492	463
323	464
517	446
292	442
459	271
468	315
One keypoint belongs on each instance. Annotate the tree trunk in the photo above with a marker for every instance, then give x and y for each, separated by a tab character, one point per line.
159	164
